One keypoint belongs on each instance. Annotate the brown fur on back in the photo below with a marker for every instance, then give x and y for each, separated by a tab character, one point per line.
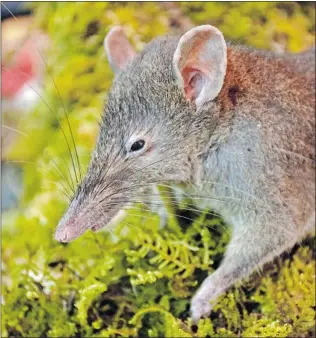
281	94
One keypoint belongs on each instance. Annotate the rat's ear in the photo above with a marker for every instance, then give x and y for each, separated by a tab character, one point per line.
118	49
200	63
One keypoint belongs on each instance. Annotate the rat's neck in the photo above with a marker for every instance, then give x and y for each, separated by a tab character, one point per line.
258	76
244	77
243	85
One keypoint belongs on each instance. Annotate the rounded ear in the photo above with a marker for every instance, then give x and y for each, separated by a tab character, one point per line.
200	63
118	49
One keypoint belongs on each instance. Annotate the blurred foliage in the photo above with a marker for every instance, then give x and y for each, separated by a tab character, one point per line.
127	282
280	26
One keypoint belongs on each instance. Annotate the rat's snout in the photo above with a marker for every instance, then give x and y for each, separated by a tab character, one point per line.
82	216
62	234
98	200
70	229
75	222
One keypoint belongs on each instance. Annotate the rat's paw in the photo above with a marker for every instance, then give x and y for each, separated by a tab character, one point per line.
200	308
205	297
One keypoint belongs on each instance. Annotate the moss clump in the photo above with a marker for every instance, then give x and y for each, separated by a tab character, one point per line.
127	282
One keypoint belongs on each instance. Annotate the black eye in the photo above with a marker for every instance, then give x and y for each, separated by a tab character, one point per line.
137	145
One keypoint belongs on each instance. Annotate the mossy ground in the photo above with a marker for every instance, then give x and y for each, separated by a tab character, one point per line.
136	283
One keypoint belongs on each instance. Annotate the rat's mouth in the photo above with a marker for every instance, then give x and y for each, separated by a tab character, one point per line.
97	227
113	221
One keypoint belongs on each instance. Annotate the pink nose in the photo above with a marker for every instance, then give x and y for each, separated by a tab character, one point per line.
62	235
67	231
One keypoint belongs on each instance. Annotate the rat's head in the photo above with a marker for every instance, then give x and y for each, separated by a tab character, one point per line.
158	118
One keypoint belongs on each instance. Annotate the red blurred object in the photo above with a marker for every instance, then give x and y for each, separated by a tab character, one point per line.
22	71
22	65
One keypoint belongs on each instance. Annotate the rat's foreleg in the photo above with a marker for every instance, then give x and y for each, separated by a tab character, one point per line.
250	247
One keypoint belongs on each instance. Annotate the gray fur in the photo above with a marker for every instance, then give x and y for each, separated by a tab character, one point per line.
252	147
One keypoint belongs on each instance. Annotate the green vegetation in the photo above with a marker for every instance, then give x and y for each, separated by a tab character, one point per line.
127	282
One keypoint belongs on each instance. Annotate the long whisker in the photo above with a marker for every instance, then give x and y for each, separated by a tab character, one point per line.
226	186
183	217
174	204
58	121
108	228
109	166
15	130
101	189
213	213
128	165
66	115
64	190
51	158
132	201
190	196
175	214
120	202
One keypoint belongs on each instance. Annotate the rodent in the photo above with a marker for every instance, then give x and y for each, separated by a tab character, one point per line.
236	123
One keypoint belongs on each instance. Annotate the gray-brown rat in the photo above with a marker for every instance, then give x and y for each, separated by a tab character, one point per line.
235	123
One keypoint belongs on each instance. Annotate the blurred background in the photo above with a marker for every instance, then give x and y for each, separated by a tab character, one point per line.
55	75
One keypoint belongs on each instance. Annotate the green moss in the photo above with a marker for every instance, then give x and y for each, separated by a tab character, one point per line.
127	282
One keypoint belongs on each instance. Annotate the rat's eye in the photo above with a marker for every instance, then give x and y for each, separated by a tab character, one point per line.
138	145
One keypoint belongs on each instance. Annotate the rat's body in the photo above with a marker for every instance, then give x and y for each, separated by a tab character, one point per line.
237	124
264	161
